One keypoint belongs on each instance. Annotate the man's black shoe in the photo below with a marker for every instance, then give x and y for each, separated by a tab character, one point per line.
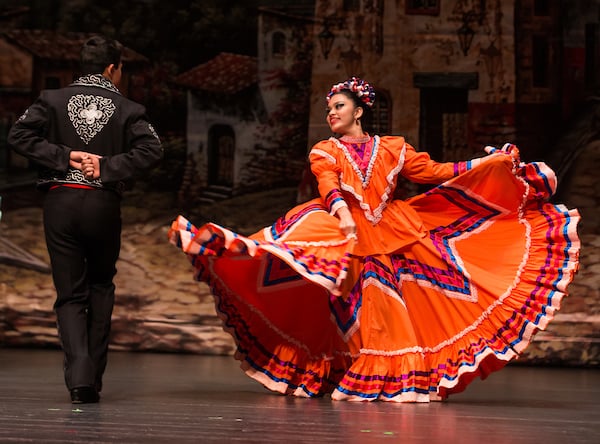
84	395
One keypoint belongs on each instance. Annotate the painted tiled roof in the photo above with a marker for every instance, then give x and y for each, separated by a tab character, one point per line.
226	73
51	45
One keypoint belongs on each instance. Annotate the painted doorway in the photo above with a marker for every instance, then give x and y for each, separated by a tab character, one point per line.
443	123
221	153
443	119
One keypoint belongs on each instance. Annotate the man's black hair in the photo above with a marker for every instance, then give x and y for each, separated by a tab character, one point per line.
98	52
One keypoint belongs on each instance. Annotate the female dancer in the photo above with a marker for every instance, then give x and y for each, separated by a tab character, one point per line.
364	297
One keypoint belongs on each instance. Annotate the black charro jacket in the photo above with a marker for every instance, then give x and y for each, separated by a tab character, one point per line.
89	115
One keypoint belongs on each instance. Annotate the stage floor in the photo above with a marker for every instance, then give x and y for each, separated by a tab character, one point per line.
179	398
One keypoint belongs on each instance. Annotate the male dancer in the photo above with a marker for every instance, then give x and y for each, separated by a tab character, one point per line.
88	119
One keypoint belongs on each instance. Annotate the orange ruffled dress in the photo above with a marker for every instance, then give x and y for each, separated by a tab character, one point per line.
431	293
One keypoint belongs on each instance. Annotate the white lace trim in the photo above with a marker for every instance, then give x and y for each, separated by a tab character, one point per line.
366	178
323	153
374	216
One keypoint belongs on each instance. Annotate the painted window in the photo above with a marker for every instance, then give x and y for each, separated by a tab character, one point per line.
221	153
278	44
382	113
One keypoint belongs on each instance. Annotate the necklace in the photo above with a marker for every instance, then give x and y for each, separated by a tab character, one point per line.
360	139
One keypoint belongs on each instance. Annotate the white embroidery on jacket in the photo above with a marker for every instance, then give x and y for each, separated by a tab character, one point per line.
23	116
96	80
153	131
89	114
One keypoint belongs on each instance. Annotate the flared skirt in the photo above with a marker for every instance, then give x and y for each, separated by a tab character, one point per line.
310	317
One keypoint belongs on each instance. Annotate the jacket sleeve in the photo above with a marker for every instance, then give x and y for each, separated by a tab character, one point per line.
28	137
145	152
326	169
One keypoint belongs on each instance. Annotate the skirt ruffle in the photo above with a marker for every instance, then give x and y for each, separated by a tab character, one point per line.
311	318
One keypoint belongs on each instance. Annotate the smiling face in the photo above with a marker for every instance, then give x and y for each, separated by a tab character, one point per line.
342	115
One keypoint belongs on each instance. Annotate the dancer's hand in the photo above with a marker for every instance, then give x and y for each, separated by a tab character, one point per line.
507	148
87	163
75	158
347	224
493	153
90	165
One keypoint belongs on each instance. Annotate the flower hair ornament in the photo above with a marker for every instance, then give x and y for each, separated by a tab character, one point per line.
362	89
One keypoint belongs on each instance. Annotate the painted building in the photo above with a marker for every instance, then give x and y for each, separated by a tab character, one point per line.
224	109
434	82
454	76
451	76
247	116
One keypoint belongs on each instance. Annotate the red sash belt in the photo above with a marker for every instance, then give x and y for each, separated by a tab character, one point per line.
72	185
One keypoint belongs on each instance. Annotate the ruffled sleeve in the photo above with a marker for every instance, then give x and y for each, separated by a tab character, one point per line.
327	169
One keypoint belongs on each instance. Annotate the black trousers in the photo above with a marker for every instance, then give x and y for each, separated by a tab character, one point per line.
83	236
